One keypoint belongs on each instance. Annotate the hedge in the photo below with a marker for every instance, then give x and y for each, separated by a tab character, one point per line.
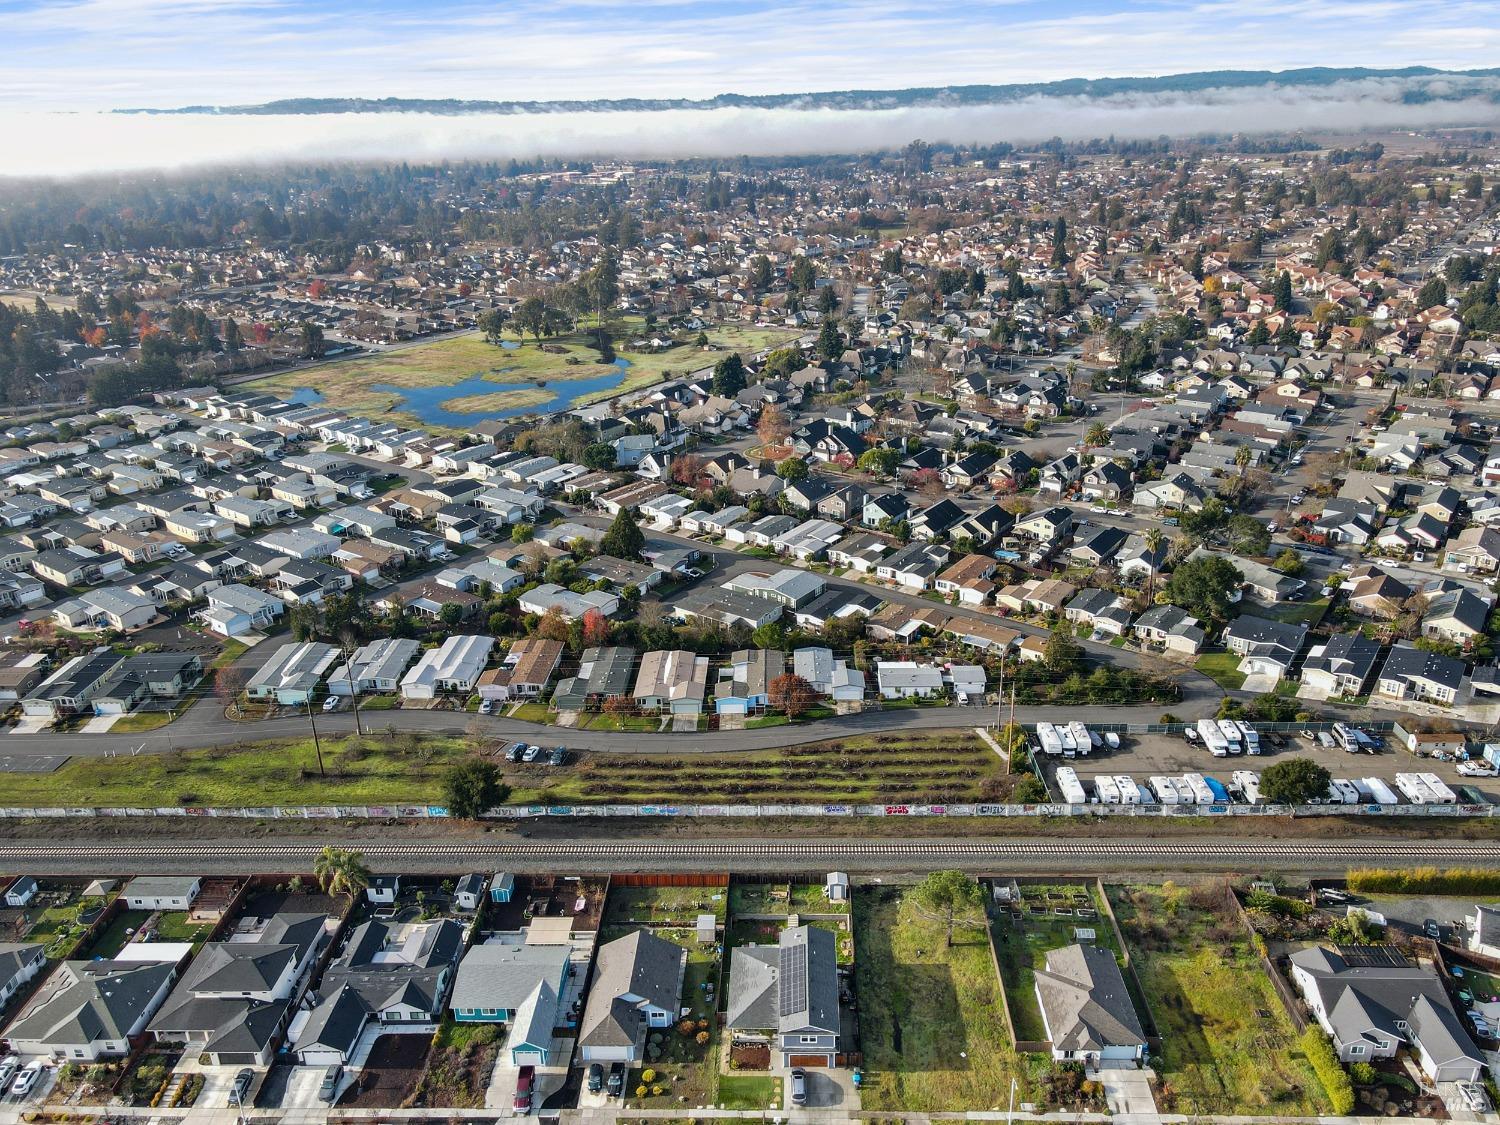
1426	880
1319	1051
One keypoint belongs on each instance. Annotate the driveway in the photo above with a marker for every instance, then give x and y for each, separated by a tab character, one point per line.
826	1089
1127	1090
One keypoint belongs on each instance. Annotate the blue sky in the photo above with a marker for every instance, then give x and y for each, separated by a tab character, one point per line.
88	54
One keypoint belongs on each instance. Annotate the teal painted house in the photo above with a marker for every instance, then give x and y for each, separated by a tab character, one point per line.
497	979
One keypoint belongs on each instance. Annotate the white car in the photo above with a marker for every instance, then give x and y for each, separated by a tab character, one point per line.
27	1079
1477	769
332	703
8	1067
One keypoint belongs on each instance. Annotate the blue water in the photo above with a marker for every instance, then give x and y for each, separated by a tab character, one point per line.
427	402
305	396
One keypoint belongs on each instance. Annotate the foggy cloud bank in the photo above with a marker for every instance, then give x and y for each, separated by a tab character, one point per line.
69	144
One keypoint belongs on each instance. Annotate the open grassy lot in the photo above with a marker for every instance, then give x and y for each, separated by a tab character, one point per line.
1296	613
931	1025
1228	1046
1223	668
515	369
934	766
1048	918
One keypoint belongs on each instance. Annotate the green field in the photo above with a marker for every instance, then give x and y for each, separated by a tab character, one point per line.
1223	668
931	1022
346	384
1228	1046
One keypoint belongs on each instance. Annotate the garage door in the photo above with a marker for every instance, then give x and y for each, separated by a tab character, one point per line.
529	1058
809	1060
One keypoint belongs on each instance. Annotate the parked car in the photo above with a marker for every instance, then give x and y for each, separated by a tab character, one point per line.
514	751
8	1067
525	1084
486	706
1112	740
531	753
799	1086
558	757
27	1079
1477	769
1190	734
616	1084
1432	929
330	1087
596	1077
241	1086
331	703
1479	1023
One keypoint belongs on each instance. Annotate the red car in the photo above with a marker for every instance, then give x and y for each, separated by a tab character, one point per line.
525	1083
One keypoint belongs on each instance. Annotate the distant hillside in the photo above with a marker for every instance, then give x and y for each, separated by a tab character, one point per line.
1445	85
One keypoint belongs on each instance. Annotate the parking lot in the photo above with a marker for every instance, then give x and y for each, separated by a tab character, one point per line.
1144	756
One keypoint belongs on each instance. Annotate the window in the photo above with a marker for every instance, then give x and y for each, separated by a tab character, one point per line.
807	1038
1356	1050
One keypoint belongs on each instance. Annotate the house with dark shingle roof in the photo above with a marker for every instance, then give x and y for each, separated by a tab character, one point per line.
19	964
790	989
1372	1001
88	1010
637	986
1086	1007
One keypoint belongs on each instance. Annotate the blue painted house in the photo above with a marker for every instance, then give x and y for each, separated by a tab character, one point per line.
497	979
745	681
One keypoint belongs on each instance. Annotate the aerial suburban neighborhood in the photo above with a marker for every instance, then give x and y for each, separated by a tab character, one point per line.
939	629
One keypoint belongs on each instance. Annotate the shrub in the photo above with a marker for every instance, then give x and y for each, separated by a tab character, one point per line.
640	1091
648	1075
701	1038
1319	1052
1363	1074
1426	880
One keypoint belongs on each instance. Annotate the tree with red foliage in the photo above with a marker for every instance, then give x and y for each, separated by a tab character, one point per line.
553	626
595	628
929	482
791	695
316	288
687	469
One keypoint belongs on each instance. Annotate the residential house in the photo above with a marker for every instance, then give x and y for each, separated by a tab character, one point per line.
1342	665
454	666
1268	647
1429	677
637	987
672	680
293	674
789	991
1086	1008
745	681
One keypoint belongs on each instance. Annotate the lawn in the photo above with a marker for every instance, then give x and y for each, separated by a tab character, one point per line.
388	769
1228	1046
931	1026
1049	916
1297	613
173	925
515	371
125	925
533	713
749	1091
640	724
1223	668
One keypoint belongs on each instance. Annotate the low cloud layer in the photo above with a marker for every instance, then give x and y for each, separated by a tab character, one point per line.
73	144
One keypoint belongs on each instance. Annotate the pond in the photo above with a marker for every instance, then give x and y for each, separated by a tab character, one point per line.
426	403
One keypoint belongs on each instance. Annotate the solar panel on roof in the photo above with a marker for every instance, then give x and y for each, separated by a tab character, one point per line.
793	980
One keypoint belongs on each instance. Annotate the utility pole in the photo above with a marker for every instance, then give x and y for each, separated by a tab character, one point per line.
317	745
353	694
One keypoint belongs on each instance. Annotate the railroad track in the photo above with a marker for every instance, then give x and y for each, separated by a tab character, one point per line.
697	854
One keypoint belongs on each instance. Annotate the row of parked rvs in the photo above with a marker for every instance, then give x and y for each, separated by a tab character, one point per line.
1244	786
1070	740
1223	737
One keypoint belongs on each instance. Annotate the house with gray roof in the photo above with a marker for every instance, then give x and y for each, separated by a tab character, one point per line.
1373	1000
237	996
495	979
790	991
637	986
603	673
1086	1007
20	962
88	1010
401	971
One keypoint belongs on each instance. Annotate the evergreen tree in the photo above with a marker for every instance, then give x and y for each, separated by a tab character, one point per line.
624	539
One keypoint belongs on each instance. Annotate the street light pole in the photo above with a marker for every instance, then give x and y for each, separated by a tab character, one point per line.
353	694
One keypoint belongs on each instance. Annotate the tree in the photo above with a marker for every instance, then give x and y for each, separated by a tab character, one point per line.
553	626
791	695
624	539
1246	535
951	895
1281	291
1154	538
729	375
595	628
1029	791
341	871
451	614
879	462
793	470
802	275
1289	562
472	787
1097	435
830	343
1205	586
312	339
1296	781
772	427
1063	653
600	455
761	274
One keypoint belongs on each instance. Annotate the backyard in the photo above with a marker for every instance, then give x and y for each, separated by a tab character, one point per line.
758	912
1228	1046
931	1026
682	1061
489	378
1049	916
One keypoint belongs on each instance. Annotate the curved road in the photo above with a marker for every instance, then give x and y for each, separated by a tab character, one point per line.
863	854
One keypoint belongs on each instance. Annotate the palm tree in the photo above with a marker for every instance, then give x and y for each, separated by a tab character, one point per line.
1242	456
342	871
1154	539
1097	435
